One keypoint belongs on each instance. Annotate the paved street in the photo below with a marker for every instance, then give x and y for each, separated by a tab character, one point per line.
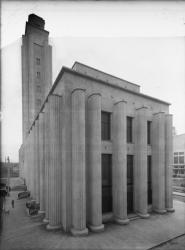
23	232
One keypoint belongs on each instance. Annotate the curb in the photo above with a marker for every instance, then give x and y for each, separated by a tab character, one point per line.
164	242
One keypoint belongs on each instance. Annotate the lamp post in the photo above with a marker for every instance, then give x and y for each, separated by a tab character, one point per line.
8	162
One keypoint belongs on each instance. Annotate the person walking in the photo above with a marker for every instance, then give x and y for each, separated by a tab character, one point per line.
12	203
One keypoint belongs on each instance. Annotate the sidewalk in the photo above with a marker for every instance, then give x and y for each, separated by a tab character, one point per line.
23	232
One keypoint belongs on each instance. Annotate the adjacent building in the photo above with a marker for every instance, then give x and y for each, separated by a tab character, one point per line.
179	154
94	147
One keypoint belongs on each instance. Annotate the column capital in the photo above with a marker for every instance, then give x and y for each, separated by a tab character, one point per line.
94	94
121	101
169	115
78	89
143	107
158	113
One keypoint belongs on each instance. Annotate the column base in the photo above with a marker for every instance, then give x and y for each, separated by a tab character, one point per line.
40	212
159	211
171	210
143	216
122	221
45	221
52	227
76	232
96	229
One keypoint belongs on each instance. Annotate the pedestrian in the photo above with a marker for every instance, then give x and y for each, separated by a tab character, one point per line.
12	203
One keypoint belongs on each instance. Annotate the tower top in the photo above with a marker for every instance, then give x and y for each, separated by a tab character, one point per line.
36	21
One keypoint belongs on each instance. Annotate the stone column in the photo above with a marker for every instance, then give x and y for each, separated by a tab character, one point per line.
119	163
34	161
41	163
140	171
168	163
78	164
37	167
158	162
94	180
46	160
55	170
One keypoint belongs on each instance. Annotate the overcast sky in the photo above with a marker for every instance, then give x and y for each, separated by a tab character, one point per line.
142	42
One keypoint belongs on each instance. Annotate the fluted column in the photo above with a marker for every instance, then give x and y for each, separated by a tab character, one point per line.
158	162
46	160
119	163
94	179
140	171
37	167
33	163
78	164
41	163
168	163
55	175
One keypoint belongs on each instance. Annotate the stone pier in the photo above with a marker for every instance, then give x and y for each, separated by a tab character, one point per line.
119	163
78	164
55	169
158	163
168	163
140	170
94	179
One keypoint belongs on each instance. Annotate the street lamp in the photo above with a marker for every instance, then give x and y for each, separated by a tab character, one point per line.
8	162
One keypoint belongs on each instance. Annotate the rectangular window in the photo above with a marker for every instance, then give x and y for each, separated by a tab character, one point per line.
105	126
175	159
38	74
148	132
176	153
129	169
38	88
129	129
181	159
38	61
38	102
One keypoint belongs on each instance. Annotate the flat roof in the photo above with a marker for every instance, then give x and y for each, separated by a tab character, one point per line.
71	71
76	62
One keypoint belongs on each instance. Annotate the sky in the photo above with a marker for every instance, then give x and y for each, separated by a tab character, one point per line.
142	42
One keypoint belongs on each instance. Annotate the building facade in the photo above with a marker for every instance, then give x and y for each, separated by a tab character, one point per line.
95	149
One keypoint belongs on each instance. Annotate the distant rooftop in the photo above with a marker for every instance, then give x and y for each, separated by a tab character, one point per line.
100	75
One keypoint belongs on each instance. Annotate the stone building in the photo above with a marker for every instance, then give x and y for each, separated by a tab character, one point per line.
94	147
179	156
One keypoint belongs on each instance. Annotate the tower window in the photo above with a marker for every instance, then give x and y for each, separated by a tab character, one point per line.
105	126
38	88
38	102
38	74
38	61
129	129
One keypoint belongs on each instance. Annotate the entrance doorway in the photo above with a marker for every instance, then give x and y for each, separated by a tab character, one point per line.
129	183
149	166
106	183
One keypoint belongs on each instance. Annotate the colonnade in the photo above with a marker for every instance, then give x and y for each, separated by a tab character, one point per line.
43	161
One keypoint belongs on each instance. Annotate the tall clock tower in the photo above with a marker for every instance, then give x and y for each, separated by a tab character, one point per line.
36	69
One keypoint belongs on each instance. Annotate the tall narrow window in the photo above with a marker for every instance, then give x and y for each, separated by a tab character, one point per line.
38	74
148	132
38	61
105	126
130	183
129	129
